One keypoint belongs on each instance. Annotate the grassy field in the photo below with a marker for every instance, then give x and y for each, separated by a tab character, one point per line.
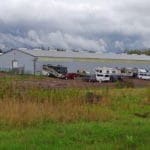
102	118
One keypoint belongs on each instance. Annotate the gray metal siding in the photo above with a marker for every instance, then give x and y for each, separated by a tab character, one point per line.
89	66
23	60
27	61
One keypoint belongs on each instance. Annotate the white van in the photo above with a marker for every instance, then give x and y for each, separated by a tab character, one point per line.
102	77
144	76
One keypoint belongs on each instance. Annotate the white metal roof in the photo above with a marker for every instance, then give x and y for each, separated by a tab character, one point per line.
71	54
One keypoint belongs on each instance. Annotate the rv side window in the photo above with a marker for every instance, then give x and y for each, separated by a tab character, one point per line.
143	74
122	71
106	75
99	75
97	70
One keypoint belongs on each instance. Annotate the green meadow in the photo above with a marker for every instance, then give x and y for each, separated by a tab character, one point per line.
91	119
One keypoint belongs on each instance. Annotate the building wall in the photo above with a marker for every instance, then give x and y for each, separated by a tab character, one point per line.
27	61
24	60
74	65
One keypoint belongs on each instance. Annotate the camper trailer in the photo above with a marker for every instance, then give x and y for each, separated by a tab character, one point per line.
54	70
107	70
129	72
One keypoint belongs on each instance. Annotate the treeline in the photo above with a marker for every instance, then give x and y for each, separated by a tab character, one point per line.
138	52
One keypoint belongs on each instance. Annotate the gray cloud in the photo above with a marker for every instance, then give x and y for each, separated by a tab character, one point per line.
85	24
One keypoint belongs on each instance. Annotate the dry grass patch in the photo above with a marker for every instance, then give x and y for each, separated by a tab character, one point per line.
28	112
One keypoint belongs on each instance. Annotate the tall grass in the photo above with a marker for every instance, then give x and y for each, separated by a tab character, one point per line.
21	105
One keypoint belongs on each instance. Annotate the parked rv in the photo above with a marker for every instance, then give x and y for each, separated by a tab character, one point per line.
107	70
107	74
82	73
144	76
54	70
102	77
129	72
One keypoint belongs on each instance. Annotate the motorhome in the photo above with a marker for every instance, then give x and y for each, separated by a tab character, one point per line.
54	70
105	73
143	74
102	77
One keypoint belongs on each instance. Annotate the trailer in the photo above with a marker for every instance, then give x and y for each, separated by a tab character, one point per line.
57	71
107	70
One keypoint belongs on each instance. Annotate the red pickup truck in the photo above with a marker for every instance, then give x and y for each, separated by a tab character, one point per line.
69	76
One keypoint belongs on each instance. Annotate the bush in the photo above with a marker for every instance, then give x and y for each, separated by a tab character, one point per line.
124	84
93	98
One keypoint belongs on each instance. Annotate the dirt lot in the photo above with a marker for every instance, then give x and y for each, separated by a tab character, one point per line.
78	83
55	83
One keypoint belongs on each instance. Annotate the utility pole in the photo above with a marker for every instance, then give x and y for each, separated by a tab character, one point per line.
34	65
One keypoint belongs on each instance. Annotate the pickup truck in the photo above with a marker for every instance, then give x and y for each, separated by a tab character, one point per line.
69	76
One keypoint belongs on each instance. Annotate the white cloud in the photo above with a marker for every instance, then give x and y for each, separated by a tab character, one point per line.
82	24
119	45
2	46
53	40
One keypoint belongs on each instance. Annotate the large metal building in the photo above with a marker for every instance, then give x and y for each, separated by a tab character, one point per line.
31	61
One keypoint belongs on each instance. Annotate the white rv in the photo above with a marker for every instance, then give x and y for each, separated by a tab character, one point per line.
104	73
143	74
102	77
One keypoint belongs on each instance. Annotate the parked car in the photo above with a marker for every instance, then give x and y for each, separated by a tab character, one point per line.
90	78
69	76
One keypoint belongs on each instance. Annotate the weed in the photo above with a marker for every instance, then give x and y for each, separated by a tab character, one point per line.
92	98
130	140
124	84
21	105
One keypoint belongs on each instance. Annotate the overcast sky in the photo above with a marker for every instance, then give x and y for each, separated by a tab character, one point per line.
99	25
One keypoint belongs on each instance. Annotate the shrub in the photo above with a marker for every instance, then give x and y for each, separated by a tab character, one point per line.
93	98
124	84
